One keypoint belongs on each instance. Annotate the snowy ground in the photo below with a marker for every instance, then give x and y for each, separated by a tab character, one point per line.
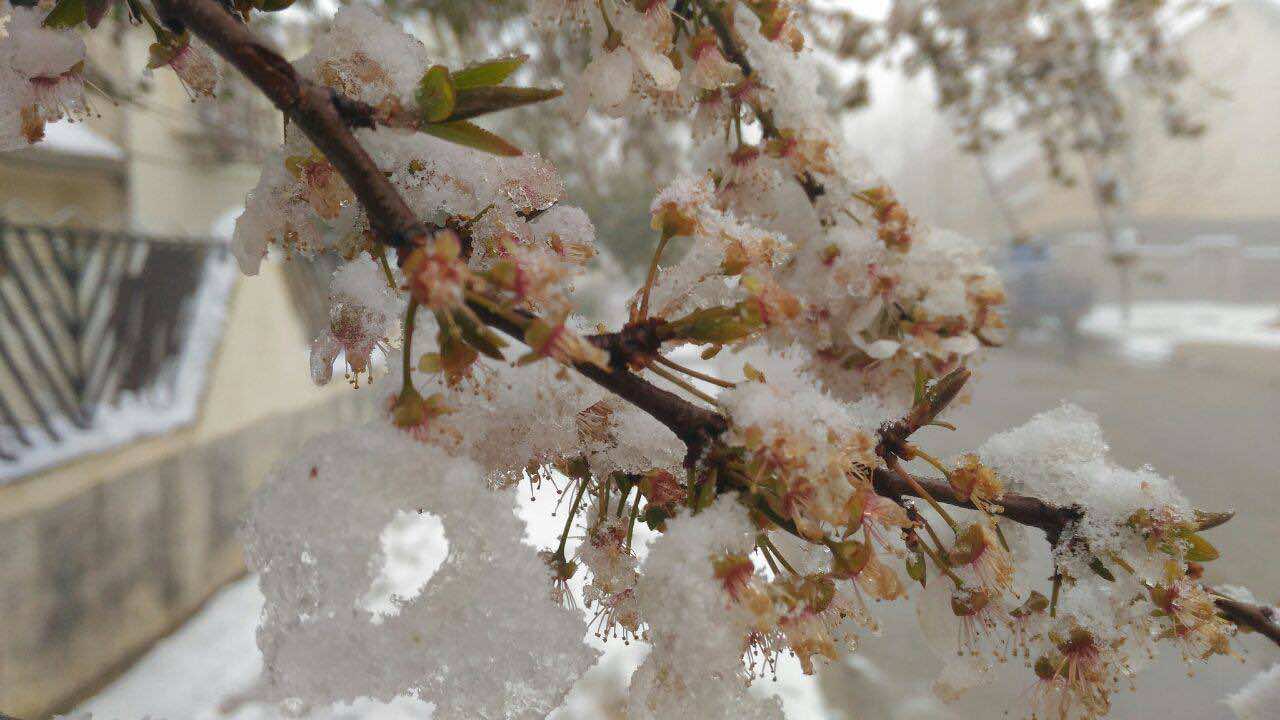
1155	330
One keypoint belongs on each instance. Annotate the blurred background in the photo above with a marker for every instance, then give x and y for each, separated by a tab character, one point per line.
146	388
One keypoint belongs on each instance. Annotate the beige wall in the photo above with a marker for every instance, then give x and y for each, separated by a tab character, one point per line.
103	554
38	192
100	556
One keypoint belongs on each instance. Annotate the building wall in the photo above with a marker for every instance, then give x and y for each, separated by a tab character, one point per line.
38	191
103	555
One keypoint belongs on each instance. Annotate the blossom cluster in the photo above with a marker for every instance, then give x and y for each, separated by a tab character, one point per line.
763	534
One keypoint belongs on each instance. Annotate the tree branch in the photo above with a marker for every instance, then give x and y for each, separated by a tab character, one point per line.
1021	509
735	53
1258	618
326	117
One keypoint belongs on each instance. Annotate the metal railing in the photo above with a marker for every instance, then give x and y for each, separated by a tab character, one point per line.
86	318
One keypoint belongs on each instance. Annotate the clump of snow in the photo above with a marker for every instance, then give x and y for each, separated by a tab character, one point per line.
1060	457
413	548
692	669
314	536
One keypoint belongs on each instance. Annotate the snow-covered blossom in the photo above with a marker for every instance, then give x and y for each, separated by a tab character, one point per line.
803	448
354	332
41	77
847	319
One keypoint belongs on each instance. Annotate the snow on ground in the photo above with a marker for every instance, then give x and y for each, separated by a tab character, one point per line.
1157	329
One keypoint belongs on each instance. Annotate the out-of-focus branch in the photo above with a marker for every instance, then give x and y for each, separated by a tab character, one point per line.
716	16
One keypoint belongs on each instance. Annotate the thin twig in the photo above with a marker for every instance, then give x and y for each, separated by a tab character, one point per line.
682	384
694	373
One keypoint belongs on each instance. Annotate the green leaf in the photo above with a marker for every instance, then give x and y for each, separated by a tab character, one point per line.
473	136
456	357
66	14
474	102
916	568
436	95
478	336
1200	550
921	379
272	5
489	72
719	325
1095	564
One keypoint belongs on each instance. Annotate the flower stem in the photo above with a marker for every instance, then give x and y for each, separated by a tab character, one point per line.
764	538
381	255
918	489
643	312
764	550
568	523
410	317
694	373
604	499
932	461
686	386
946	569
635	512
933	535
